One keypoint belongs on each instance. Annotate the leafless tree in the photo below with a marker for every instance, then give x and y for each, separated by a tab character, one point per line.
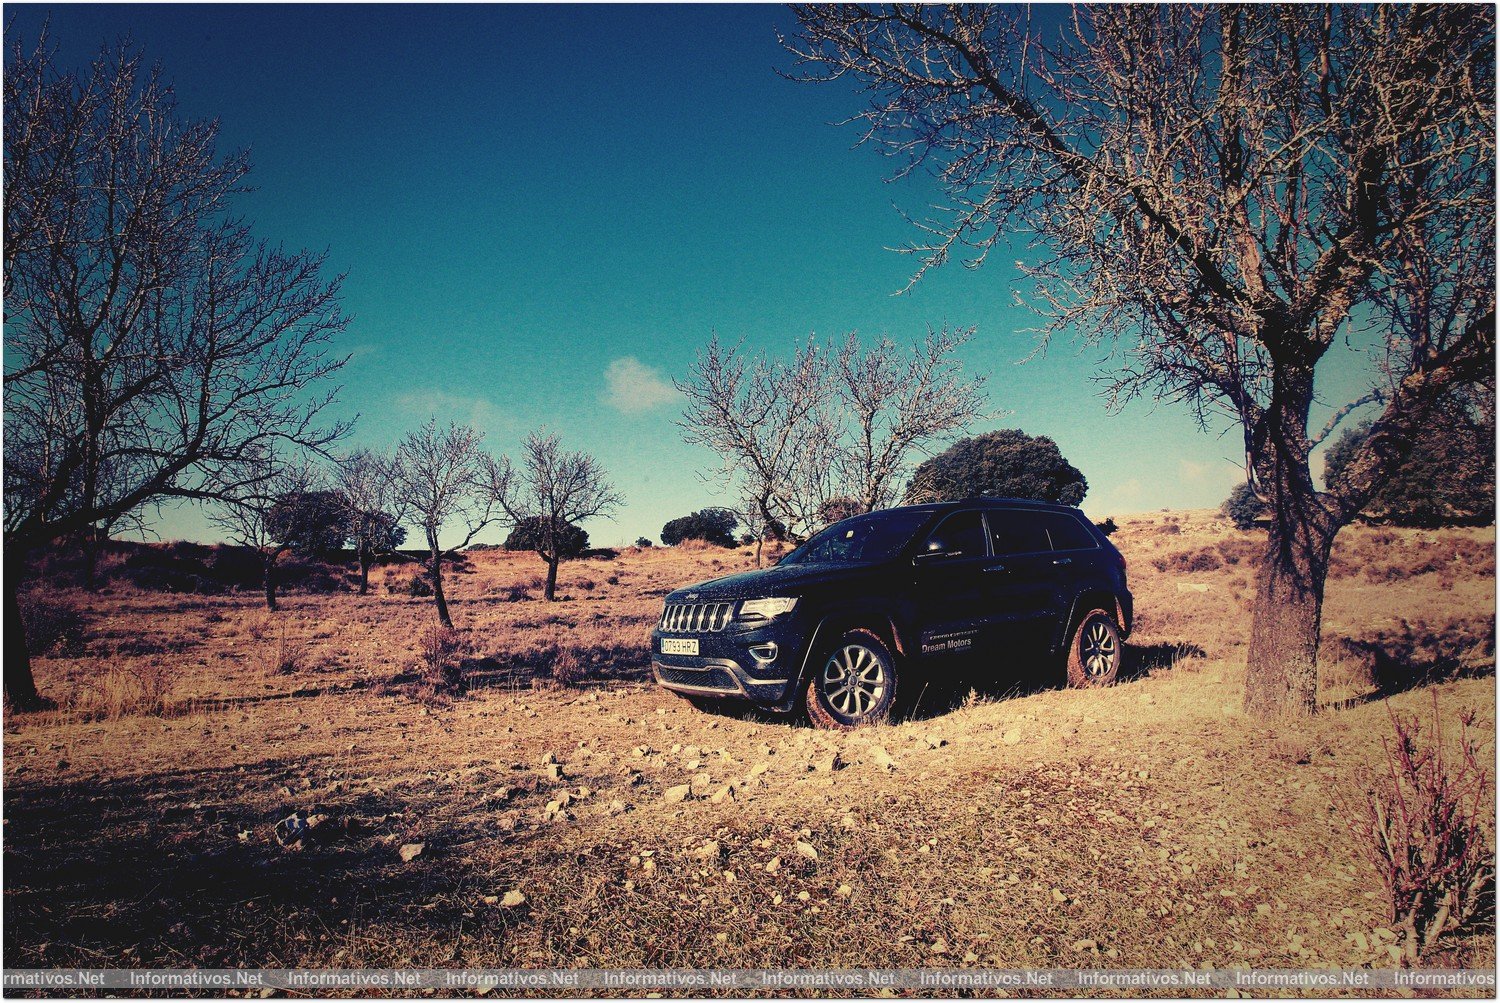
762	419
890	406
153	348
444	478
262	514
373	515
836	423
1223	193
556	488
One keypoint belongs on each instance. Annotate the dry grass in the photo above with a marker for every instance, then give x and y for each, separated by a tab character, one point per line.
1148	825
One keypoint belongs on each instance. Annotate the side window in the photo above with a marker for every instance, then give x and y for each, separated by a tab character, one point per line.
1068	533
1017	532
960	534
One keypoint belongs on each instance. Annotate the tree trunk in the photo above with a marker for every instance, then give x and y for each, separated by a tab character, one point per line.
270	583
1282	673
91	558
437	589
551	593
364	572
20	685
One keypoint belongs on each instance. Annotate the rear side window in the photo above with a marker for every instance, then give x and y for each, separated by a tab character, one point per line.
1017	532
1068	533
960	533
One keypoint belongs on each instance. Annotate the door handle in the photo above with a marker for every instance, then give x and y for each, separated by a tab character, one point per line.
994	567
1063	560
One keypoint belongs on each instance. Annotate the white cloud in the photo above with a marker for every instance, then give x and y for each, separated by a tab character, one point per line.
445	407
1218	472
634	387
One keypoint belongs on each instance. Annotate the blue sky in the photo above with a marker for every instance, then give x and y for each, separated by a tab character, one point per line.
540	210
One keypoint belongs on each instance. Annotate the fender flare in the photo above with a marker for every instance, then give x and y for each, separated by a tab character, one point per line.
870	617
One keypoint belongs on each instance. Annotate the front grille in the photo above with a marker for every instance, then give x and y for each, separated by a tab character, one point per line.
711	678
696	618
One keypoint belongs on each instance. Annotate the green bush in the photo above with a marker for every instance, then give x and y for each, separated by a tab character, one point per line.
712	525
1006	464
1243	507
531	534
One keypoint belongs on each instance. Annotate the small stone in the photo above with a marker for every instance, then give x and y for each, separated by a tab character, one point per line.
1011	737
411	851
773	865
1085	945
807	850
678	794
513	898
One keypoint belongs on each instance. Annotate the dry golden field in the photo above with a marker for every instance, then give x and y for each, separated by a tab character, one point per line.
1148	825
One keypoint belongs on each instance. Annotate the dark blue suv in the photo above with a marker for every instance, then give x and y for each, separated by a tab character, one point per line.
875	601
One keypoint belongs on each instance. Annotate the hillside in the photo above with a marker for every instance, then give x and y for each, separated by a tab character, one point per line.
1147	825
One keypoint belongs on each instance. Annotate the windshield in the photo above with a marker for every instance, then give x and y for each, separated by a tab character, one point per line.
864	539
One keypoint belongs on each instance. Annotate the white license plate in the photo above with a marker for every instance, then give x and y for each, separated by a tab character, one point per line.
679	646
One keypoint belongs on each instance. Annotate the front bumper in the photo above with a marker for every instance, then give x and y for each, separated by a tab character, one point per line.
725	666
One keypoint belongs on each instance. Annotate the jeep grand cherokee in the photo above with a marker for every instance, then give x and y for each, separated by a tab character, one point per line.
875	601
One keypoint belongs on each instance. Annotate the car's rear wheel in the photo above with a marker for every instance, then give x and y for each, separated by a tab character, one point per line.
1095	652
853	682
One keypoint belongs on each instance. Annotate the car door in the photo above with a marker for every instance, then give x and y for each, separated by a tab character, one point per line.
950	570
1021	582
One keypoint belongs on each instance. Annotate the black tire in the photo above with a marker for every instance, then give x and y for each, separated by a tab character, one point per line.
1095	650
853	682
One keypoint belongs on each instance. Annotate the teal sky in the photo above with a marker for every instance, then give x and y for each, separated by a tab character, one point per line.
544	212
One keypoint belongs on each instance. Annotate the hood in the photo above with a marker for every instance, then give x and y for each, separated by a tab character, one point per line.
779	580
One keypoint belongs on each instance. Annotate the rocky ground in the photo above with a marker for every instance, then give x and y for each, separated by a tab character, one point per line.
222	787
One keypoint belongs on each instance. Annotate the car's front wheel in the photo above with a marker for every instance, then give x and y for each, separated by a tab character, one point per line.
1095	651
853	683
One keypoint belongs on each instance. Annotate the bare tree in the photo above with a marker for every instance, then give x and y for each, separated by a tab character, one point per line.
892	406
444	478
556	489
373	515
763	419
1223	193
834	424
154	349
266	514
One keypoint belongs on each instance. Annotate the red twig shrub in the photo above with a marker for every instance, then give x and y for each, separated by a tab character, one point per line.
1421	825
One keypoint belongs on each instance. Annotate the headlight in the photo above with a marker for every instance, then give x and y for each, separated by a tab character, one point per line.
768	608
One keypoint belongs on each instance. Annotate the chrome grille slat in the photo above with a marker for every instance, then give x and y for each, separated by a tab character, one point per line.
696	618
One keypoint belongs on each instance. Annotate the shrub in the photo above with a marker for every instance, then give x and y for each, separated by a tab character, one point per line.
1447	476
1421	826
285	654
711	525
438	648
135	688
566	669
53	625
1107	527
1007	463
1243	507
419	586
837	510
531	535
643	542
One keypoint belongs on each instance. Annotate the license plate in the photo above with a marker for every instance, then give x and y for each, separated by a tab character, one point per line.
679	646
